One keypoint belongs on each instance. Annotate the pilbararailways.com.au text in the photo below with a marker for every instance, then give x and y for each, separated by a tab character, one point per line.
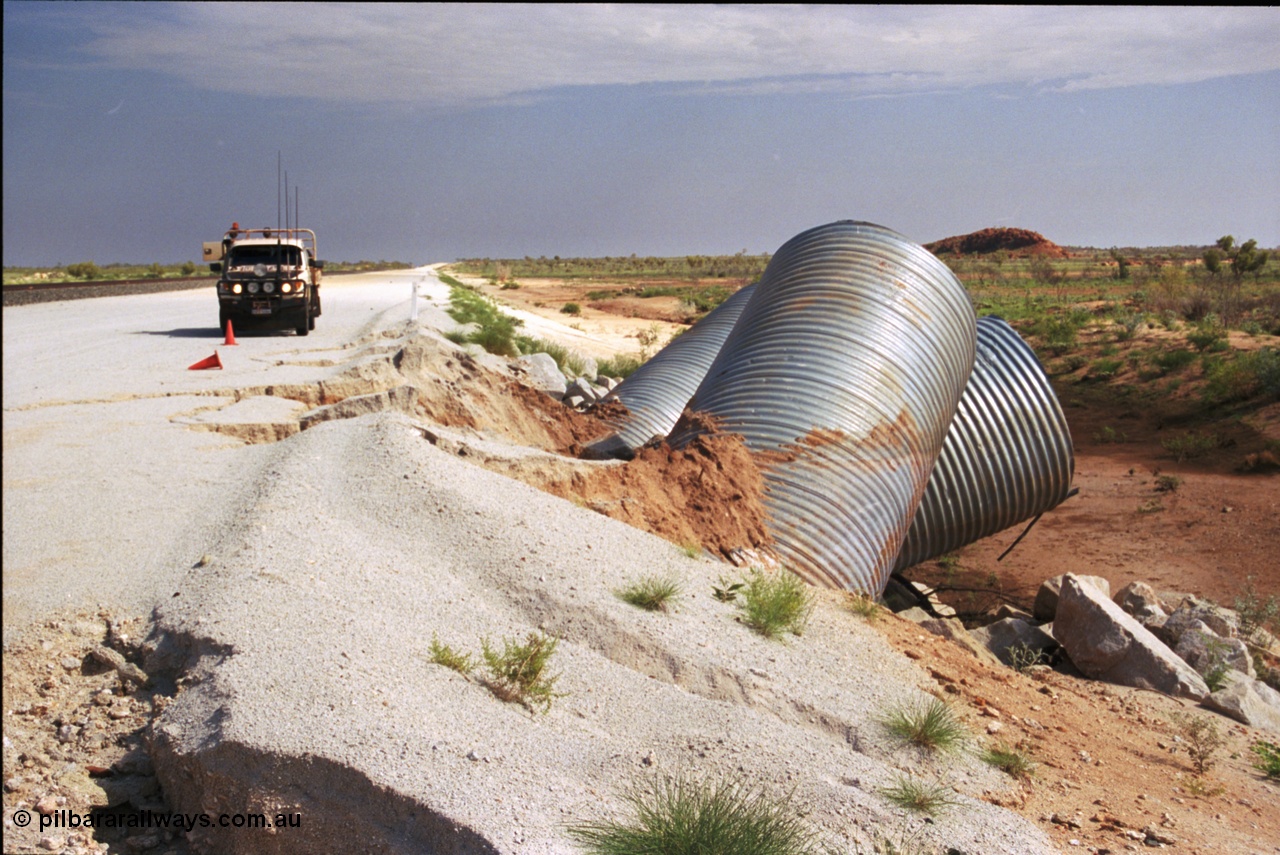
68	819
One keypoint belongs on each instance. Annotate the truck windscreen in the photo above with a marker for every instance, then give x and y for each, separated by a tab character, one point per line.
249	256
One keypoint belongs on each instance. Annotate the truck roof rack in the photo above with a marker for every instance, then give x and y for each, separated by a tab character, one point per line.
306	237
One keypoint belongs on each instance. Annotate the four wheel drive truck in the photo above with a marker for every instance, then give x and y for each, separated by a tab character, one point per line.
269	278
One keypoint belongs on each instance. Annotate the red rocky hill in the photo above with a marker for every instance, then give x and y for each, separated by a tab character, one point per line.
1016	242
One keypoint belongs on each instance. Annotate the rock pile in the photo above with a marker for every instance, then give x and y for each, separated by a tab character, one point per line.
1179	645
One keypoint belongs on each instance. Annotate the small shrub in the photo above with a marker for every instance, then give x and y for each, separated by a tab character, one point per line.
1173	360
865	607
519	672
1256	614
1023	656
684	817
621	366
1168	483
691	550
570	309
726	591
1129	326
1075	362
1010	760
1203	739
1244	376
1105	368
1207	334
188	268
1215	675
1107	434
1151	506
1201	789
84	270
1268	760
1190	445
1059	334
443	654
775	603
919	796
931	725
510	285
651	593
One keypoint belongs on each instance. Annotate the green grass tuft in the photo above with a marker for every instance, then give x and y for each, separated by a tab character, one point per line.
651	593
684	817
774	603
931	725
917	796
1009	760
865	607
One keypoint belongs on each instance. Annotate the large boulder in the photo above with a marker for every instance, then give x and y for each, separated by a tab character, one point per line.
1107	644
1205	651
542	373
1140	600
1014	641
1195	614
1046	604
1251	702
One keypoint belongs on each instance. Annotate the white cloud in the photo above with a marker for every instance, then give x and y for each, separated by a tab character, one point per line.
434	55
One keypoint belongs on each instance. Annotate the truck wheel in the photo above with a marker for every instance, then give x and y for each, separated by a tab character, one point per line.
304	325
311	322
223	317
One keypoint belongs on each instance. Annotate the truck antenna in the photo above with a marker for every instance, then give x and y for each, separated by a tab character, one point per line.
277	189
286	198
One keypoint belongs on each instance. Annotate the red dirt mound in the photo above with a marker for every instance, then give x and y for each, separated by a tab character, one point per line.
1018	242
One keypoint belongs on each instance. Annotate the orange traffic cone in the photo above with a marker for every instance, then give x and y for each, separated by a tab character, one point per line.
214	361
231	335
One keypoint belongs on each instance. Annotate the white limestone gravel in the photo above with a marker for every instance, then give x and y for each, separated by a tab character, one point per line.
329	560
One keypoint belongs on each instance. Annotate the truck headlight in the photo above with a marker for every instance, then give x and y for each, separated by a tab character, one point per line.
286	288
268	287
235	289
253	287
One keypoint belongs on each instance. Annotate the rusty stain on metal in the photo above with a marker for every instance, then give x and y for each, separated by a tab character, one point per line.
826	346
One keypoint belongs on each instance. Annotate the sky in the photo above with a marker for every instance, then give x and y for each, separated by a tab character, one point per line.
135	131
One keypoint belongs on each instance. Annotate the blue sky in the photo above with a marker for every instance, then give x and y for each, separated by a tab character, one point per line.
132	132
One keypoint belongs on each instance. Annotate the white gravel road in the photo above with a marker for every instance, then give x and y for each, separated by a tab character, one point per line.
106	500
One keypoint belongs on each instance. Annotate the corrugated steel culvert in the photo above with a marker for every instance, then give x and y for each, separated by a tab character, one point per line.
845	368
1007	456
656	394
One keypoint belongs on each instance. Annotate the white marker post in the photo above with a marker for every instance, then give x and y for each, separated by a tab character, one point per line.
413	300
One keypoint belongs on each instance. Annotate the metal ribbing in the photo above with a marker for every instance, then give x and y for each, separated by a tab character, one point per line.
655	395
1006	458
845	368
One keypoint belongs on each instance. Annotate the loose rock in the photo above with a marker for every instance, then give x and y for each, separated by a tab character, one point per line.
1107	644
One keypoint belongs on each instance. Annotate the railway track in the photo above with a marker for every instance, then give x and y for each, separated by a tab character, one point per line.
48	292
